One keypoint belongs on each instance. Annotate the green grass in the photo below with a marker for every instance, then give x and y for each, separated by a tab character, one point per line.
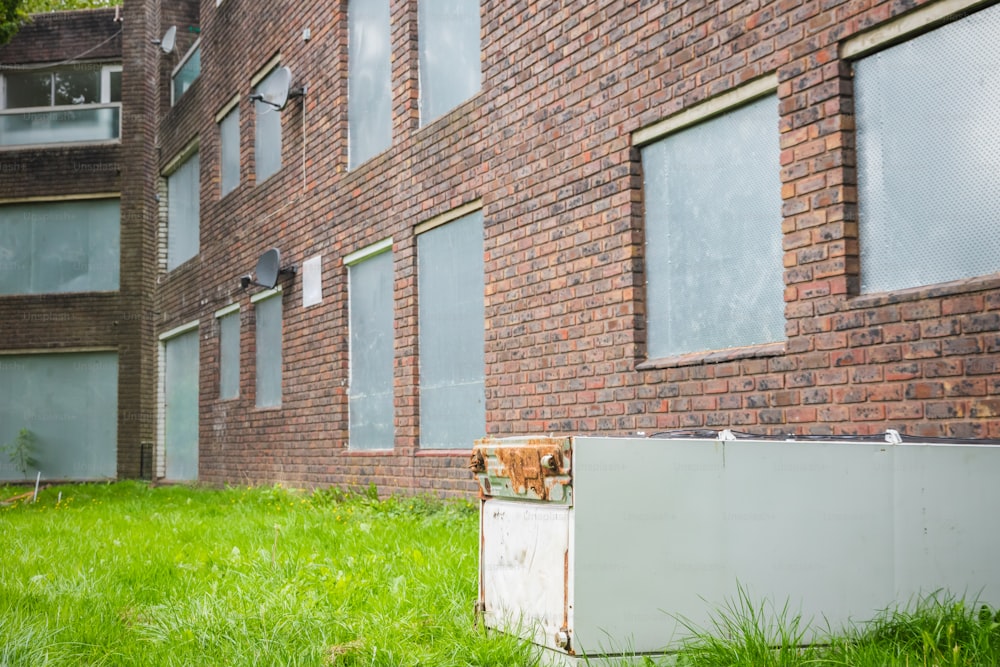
124	574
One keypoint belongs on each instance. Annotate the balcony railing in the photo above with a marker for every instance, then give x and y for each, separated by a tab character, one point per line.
83	123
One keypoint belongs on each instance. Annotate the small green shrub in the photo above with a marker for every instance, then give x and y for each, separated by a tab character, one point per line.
22	450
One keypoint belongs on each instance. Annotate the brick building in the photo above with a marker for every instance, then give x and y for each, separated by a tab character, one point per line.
612	217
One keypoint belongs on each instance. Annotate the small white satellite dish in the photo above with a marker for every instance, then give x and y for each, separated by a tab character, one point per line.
268	267
276	90
168	41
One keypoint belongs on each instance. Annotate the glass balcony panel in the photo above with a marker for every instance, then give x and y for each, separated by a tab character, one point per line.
64	125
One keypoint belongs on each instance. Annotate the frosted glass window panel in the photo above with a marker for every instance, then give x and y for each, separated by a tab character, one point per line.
229	133
269	351
27	89
371	340
183	213
58	247
713	234
369	80
450	69
186	75
77	86
229	355
452	364
60	126
267	137
181	407
70	403
928	151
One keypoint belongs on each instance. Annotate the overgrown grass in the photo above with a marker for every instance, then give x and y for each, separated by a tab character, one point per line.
937	631
124	574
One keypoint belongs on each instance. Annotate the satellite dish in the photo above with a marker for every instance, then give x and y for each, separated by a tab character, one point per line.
168	41
268	267
276	89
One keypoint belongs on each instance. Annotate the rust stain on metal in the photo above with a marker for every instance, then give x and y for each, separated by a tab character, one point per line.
565	625
522	465
477	462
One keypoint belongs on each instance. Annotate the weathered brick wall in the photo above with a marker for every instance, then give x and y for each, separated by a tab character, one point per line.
97	320
547	146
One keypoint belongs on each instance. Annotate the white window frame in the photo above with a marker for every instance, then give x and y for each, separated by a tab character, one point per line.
105	101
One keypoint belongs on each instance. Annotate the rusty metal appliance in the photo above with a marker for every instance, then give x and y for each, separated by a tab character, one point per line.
611	547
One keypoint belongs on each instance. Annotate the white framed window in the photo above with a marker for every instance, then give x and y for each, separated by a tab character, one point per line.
267	134
61	105
451	288
267	307
187	70
449	54
369	80
370	306
713	232
927	147
184	211
229	351
229	139
60	246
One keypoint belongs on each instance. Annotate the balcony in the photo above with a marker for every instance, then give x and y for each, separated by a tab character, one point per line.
82	123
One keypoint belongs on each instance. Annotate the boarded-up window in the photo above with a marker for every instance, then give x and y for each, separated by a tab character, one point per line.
268	312
928	155
180	398
713	234
267	137
183	213
54	247
229	134
369	80
69	402
452	365
229	355
450	69
370	392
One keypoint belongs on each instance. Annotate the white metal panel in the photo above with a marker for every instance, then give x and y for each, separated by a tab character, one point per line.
524	568
947	534
648	539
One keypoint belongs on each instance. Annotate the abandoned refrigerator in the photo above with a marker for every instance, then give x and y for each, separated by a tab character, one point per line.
604	546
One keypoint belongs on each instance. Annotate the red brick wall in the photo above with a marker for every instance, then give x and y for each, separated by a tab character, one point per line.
547	146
